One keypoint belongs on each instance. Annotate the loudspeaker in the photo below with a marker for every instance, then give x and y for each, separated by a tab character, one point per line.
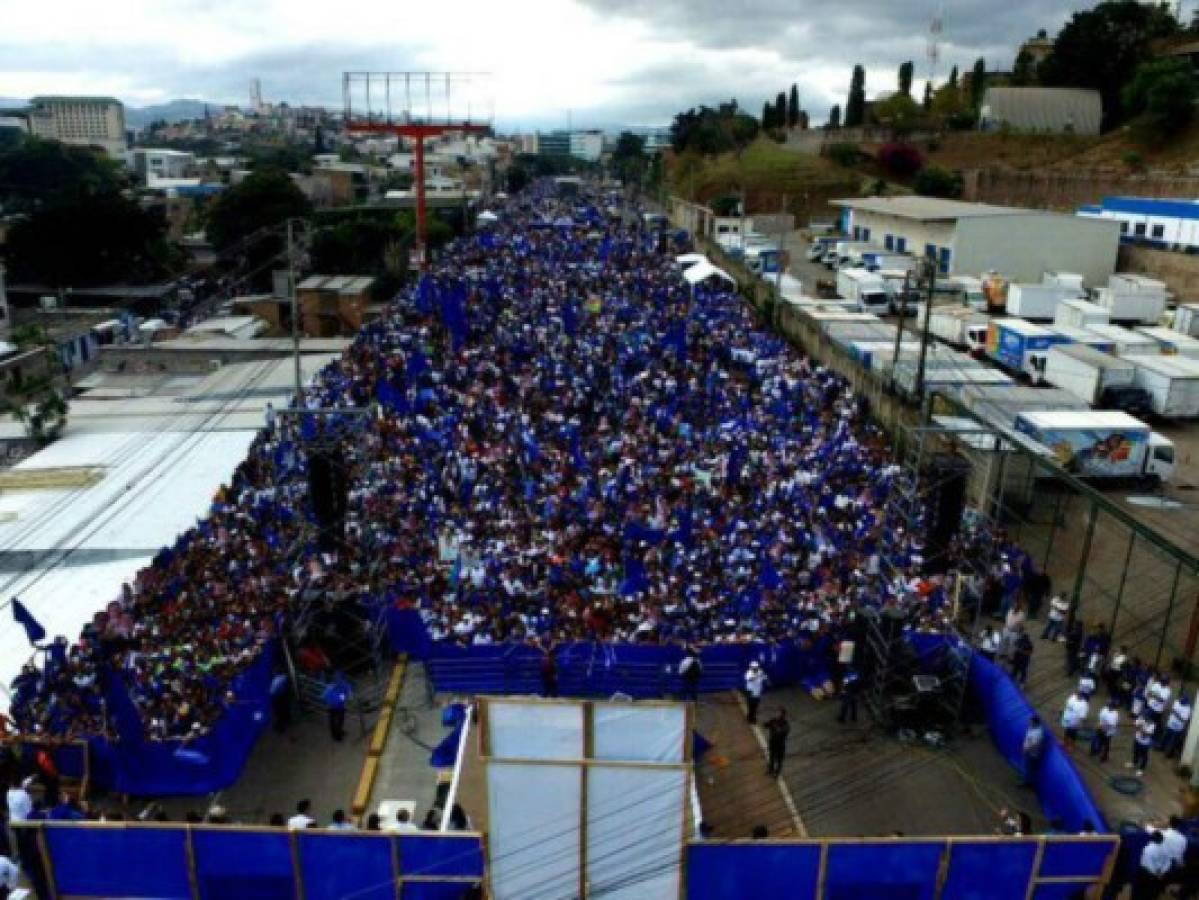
328	491
947	502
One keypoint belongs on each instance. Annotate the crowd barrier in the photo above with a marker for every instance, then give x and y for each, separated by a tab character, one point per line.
651	670
971	868
215	862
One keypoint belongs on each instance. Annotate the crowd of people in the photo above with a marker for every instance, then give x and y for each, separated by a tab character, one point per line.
571	443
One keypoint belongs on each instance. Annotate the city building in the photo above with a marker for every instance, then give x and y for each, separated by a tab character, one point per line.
972	238
1165	223
587	145
333	305
81	121
553	143
151	165
1037	48
656	137
1041	110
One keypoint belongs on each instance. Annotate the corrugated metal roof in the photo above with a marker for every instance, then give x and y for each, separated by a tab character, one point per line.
927	209
1043	109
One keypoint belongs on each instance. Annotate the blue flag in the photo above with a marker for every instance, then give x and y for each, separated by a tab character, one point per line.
33	628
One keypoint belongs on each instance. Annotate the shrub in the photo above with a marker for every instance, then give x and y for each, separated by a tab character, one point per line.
844	153
900	160
934	181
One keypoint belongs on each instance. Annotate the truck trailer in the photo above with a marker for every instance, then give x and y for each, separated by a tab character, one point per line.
868	288
1101	445
1037	301
1125	341
1171	342
1172	383
1093	377
1186	319
961	327
1080	314
1020	346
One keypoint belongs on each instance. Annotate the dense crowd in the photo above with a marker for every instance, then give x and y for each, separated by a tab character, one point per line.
571	443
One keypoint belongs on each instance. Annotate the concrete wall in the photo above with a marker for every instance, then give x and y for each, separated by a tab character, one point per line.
1022	248
917	234
1180	271
1068	190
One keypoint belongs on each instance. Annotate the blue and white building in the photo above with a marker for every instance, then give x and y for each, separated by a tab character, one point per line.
1169	224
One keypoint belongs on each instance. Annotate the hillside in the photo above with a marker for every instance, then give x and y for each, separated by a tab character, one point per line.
768	174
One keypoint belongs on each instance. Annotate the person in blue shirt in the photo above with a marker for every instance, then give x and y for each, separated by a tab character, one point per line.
335	698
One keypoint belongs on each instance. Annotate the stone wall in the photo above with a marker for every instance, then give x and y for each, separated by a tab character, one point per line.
1068	190
1180	271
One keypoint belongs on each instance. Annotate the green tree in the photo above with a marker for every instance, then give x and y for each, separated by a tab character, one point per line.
517	178
709	130
978	83
934	181
844	154
793	107
1024	72
767	115
252	216
35	400
35	172
88	239
906	70
780	110
1101	48
855	107
628	158
1164	91
899	112
953	78
834	116
927	104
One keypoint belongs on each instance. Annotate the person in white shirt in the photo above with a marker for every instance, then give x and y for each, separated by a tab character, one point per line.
1157	697
1155	866
1175	842
1176	727
1086	685
1109	722
1074	714
403	822
755	685
1142	741
10	877
1055	625
301	819
20	802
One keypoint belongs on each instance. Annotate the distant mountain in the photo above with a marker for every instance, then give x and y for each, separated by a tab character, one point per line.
171	111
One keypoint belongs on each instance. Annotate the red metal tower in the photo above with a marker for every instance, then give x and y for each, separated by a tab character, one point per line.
377	115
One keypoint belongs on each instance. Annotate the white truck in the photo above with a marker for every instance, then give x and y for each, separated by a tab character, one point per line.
969	291
1125	341
1037	301
868	288
1171	342
1101	445
1069	280
1080	314
1133	298
1172	383
961	327
879	260
1186	319
838	254
1098	379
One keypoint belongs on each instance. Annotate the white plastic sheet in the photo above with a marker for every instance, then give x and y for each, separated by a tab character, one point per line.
534	836
521	730
639	733
634	832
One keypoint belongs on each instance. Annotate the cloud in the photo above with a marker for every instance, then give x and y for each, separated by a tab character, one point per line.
603	62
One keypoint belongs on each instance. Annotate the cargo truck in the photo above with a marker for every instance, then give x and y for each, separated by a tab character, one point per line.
1086	337
960	327
1186	319
1171	342
1101	445
1125	341
1080	314
1037	301
1020	346
1172	383
868	288
876	261
1099	379
1133	298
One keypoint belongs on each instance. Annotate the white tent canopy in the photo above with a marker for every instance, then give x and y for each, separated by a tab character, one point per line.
487	216
704	270
688	259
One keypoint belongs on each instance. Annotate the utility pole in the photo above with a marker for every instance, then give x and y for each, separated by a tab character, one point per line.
925	332
295	309
778	272
903	305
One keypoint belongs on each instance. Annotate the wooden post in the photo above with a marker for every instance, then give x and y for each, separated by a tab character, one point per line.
396	872
293	840
822	872
43	847
943	869
193	877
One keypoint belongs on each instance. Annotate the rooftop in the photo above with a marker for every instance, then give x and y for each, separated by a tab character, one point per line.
928	209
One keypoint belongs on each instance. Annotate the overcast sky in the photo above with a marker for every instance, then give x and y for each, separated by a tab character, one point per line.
608	62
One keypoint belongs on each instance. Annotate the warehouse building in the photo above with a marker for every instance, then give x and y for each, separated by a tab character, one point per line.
972	238
1164	223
